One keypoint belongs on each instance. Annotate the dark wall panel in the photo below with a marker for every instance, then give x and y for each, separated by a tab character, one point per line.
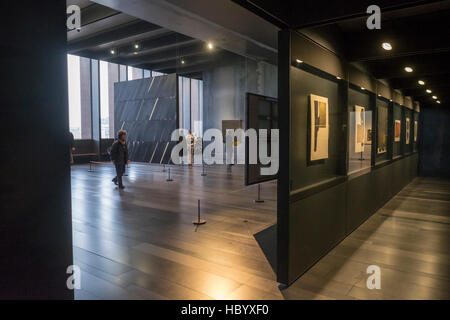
317	223
147	110
434	141
35	199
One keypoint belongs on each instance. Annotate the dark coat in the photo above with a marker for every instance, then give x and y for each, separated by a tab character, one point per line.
119	153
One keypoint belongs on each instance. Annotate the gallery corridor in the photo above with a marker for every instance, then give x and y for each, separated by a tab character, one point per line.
140	243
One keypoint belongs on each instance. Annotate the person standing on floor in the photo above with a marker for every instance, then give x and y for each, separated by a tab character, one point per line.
119	156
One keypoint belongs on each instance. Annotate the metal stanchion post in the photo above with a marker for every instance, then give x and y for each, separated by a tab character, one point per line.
204	174
169	179
199	221
259	195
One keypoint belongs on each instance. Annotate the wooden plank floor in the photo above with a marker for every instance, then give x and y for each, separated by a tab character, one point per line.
140	243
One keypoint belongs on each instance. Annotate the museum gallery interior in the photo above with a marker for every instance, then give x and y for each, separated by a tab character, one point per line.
349	102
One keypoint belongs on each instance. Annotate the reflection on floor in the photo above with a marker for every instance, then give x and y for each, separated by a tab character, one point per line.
140	243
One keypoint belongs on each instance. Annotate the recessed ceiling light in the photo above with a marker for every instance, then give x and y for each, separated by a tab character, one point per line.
421	82
438	102
379	95
390	100
434	97
429	91
387	46
298	61
339	78
182	61
136	45
409	69
210	45
112	51
362	88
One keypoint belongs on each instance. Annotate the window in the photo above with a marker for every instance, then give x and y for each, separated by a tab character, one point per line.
157	74
109	74
79	90
191	105
73	72
134	73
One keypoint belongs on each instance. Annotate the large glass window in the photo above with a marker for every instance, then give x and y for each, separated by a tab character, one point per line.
109	74
191	105
73	72
135	73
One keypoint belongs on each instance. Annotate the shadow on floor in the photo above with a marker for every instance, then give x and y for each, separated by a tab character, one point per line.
267	240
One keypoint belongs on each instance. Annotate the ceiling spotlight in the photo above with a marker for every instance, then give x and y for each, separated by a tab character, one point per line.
182	61
421	82
210	45
387	46
438	102
429	91
434	97
112	51
136	45
409	69
339	78
298	61
362	88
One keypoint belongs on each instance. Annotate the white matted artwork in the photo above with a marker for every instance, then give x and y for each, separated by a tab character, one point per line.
416	128
360	128
408	130
319	127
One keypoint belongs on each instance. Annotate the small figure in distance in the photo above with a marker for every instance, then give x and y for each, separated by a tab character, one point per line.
119	156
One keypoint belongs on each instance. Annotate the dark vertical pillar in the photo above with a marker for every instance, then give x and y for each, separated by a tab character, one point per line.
35	200
95	102
284	182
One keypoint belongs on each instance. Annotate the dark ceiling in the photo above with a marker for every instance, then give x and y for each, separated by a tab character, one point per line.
104	29
419	32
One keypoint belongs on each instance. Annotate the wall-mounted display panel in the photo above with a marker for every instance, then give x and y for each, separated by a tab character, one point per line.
360	130
382	129
319	127
307	89
415	131
398	123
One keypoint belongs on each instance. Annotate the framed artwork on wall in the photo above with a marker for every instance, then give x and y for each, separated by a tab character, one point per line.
382	130
397	130
319	128
360	128
408	130
416	128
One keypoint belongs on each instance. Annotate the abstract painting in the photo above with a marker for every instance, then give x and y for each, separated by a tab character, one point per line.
408	130
319	128
360	129
397	130
382	130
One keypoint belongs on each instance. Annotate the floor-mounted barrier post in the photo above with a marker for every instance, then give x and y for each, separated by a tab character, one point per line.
199	221
258	200
169	179
204	174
